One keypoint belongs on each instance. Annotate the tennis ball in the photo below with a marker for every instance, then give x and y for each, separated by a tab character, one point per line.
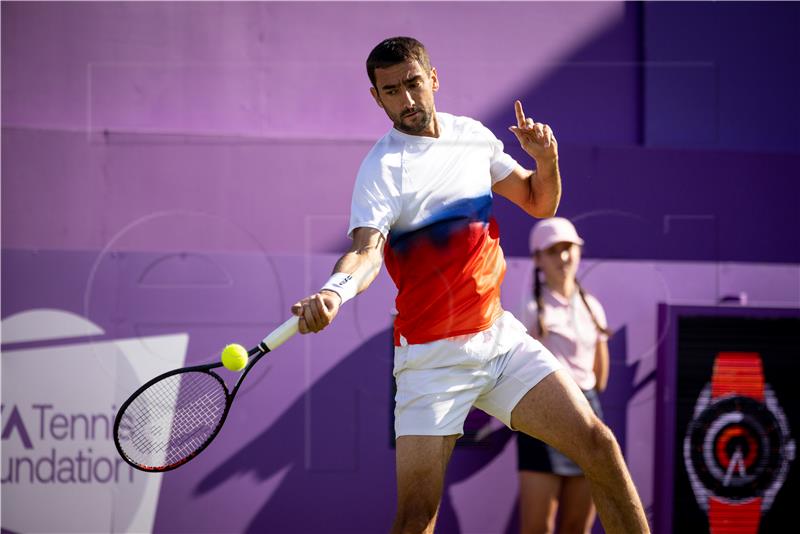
234	357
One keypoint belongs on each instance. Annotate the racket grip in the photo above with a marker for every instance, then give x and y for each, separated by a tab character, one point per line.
277	337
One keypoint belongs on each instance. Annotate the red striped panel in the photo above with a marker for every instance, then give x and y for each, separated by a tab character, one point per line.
726	518
740	373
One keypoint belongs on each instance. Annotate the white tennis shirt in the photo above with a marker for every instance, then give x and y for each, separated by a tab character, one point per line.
432	198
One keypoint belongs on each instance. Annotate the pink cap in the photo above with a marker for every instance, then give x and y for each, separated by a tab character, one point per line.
551	231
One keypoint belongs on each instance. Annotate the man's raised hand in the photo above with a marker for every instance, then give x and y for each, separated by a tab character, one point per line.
536	139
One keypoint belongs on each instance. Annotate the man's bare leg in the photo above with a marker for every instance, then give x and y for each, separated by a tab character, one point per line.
556	412
421	464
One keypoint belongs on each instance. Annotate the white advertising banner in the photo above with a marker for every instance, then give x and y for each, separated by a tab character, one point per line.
60	469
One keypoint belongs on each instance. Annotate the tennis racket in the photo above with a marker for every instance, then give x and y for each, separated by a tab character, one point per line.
173	417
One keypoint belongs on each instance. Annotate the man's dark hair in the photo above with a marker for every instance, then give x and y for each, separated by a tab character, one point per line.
396	50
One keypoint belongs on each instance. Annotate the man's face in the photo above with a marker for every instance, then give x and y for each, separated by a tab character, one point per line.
405	92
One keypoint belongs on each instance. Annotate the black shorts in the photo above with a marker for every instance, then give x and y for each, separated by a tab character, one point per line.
535	455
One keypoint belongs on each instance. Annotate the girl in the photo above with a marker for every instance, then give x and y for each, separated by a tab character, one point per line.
572	324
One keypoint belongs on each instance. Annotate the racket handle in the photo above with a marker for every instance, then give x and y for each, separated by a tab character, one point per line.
277	337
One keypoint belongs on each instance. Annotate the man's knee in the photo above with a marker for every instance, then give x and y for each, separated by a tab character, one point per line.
599	448
601	437
416	515
417	507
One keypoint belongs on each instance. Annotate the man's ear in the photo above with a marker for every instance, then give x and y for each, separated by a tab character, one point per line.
374	93
434	79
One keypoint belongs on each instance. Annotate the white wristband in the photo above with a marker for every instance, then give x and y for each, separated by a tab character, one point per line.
342	284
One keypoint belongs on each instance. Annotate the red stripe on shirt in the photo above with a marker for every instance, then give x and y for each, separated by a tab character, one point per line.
447	286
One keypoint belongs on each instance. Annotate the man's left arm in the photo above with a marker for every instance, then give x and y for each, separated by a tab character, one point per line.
537	192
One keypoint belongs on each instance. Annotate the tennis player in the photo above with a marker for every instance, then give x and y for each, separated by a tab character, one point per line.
422	204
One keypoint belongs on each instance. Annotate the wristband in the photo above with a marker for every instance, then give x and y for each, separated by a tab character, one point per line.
343	284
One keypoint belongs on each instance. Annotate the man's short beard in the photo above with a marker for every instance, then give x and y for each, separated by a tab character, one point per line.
423	125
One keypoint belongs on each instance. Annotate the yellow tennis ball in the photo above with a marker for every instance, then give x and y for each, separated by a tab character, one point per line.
234	357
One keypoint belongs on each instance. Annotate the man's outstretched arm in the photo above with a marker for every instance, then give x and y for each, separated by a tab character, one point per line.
537	192
352	274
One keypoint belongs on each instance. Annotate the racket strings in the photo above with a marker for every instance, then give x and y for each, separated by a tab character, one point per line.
172	419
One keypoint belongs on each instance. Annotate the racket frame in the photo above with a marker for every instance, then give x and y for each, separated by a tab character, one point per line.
273	340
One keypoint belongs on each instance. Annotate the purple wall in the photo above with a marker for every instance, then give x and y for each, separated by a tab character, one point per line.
156	99
722	76
172	167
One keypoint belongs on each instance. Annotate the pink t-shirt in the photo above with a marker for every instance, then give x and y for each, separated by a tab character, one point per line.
572	335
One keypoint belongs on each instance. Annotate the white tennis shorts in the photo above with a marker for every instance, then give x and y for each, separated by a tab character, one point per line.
438	382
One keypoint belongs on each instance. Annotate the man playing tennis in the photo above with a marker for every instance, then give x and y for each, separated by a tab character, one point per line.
422	203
